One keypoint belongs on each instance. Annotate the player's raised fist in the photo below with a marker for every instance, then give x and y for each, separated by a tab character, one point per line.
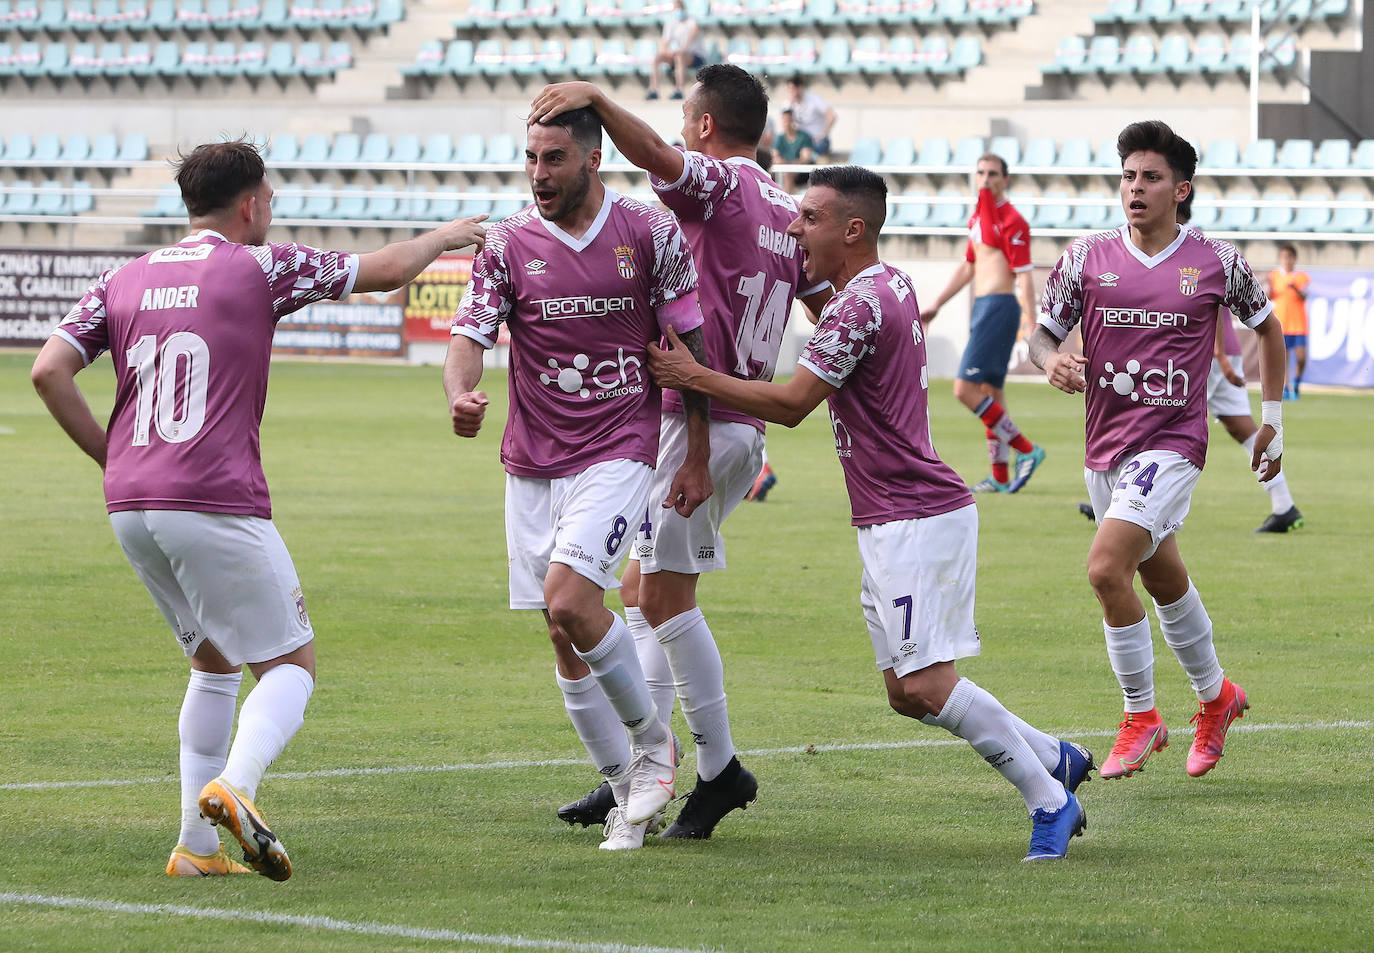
561	98
468	411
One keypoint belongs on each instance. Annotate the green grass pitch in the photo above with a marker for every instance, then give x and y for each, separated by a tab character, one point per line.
396	529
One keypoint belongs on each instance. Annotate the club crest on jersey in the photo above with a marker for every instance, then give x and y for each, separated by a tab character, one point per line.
625	261
1187	280
300	606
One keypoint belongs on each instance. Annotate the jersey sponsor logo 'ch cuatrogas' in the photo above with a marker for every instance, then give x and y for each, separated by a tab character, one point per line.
1156	386
606	379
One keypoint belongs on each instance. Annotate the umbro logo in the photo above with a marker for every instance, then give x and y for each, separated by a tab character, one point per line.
1108	280
535	267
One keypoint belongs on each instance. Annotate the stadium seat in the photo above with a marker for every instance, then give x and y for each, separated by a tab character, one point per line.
468	150
54	61
1295	154
51	200
1039	153
443	208
289	202
866	152
438	148
1158	11
284	148
1363	156
19	146
900	151
381	207
77	148
1076	153
1008	147
966	53
104	148
319	203
1311	218
581	61
47	148
966	152
1332	154
22	198
1070	56
1205	215
1119	11
166	59
406	148
1175	54
346	149
1139	55
1240	214
82	198
909	214
314	150
1105	157
169	204
1274	218
1259	154
251	59
952	213
501	149
506	207
1054	212
1350	219
935	152
415	205
351	204
1222	154
1104	55
834	60
376	148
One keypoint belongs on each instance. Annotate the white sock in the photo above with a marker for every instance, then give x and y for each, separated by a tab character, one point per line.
700	683
1046	747
596	723
615	666
1280	499
978	718
1188	630
1132	654
271	715
205	725
657	675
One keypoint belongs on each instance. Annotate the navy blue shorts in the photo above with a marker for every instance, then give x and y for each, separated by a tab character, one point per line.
991	335
1291	341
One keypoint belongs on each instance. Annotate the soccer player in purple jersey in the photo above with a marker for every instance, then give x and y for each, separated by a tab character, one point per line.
917	524
1146	297
584	280
190	330
735	218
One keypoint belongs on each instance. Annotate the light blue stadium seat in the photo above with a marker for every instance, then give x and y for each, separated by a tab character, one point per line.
506	207
581	60
338	57
1139	55
1259	154
288	202
519	57
1311	218
866	152
415	205
489	57
949	214
1205	215
868	57
1055	213
572	14
162	15
281	59
376	148
1175	54
382	207
1240	215
935	55
955	12
1211	54
50	200
1008	147
319	203
1118	11
444	209
802	55
469	149
910	214
55	62
285	148
351	204
1104	55
1349	219
1295	154
1076	153
247	15
428	59
251	59
1105	156
1090	218
275	15
138	59
84	61
47	148
80	16
314	149
166	59
406	148
1070	56
104	148
935	152
77	148
1332	9
346	149
835	57
1363	156
1332	154
1229	11
474	206
438	148
168	204
22	199
82	199
1222	154
501	149
1274	218
1158	11
1195	11
966	152
1039	153
309	60
224	59
458	58
899	151
966	53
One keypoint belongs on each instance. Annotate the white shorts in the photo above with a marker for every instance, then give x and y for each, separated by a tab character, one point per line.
584	521
918	590
667	541
1152	489
220	577
1225	399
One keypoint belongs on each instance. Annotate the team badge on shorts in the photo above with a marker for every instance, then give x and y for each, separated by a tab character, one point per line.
625	261
299	596
1187	279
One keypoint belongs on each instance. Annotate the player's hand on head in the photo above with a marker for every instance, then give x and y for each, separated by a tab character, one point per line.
468	411
560	98
1065	371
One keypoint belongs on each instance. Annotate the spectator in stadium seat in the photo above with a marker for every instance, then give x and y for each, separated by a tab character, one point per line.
997	259
679	48
190	327
811	112
793	144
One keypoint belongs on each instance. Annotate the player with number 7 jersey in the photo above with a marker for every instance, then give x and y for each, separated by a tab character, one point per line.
190	329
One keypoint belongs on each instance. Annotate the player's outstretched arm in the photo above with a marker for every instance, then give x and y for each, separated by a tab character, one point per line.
54	377
961	277
395	265
1062	369
1267	457
634	137
787	404
462	371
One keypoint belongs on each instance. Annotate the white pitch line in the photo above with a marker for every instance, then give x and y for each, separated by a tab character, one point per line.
567	762
316	922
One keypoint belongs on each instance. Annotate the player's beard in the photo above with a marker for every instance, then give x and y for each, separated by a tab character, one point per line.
574	194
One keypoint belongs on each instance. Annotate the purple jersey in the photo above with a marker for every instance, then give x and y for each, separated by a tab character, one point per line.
1149	333
1230	339
581	313
869	344
190	330
735	218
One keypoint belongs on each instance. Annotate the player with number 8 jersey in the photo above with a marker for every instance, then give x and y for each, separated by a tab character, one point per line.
190	329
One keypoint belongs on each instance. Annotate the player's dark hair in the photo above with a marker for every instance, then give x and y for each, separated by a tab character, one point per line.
212	175
584	125
993	157
1285	247
1156	136
1184	212
736	101
863	190
764	157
